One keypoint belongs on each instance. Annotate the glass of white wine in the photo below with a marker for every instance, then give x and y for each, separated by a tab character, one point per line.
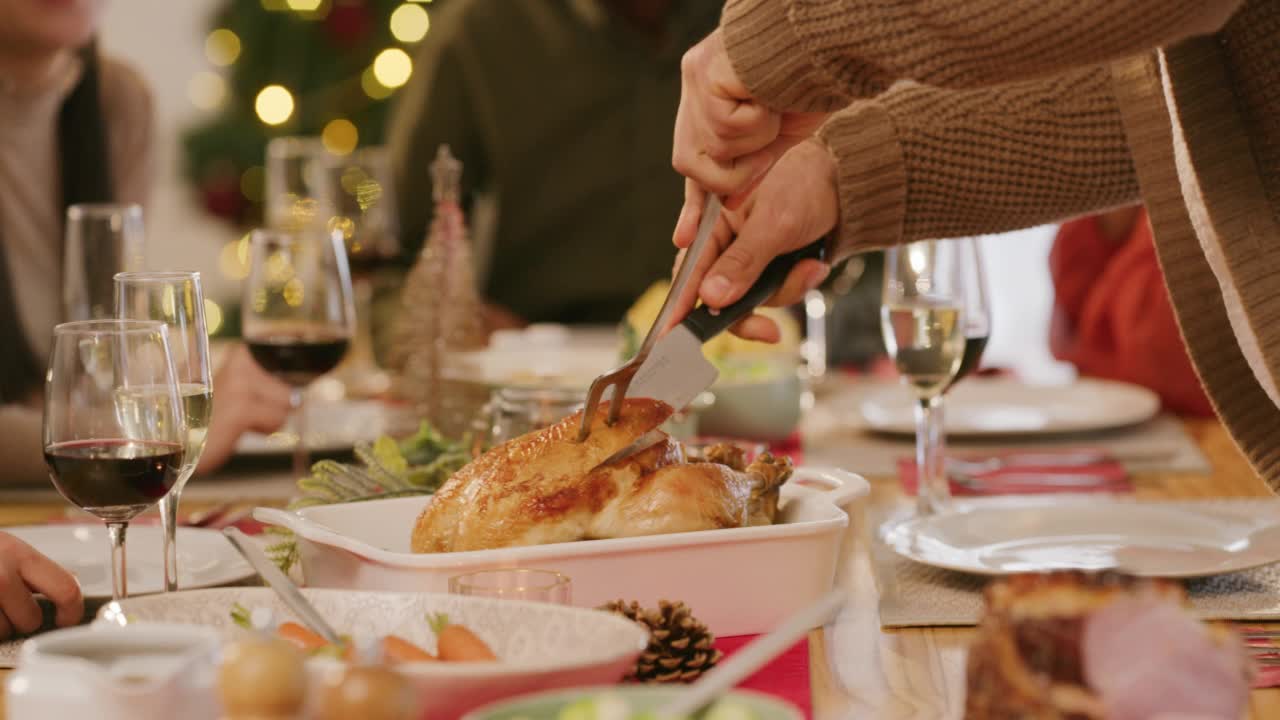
922	317
176	300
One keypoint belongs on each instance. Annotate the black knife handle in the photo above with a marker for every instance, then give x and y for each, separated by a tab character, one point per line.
705	325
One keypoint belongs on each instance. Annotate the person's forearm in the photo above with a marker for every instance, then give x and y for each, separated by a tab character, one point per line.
921	162
22	446
821	54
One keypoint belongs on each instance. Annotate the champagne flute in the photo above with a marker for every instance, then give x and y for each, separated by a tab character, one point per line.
114	429
922	318
102	239
297	314
177	300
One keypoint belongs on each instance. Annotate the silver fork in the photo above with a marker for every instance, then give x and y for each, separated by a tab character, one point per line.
1057	480
1066	458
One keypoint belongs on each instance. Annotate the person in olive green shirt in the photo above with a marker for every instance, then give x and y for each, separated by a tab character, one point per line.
561	113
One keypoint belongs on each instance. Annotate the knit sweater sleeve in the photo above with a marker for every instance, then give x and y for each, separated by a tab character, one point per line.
923	162
821	54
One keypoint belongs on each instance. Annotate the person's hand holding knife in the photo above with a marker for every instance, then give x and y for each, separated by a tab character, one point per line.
778	186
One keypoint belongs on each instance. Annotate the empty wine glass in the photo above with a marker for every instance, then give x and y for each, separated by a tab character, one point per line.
297	313
357	193
177	300
295	182
102	240
923	320
114	430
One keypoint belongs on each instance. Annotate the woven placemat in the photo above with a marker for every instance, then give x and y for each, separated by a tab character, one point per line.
917	595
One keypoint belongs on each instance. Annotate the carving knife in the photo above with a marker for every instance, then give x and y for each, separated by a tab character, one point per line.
676	371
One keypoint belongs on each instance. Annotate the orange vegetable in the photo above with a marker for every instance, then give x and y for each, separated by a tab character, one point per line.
303	638
455	643
398	650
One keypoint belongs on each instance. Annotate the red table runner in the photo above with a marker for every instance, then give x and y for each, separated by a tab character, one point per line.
787	677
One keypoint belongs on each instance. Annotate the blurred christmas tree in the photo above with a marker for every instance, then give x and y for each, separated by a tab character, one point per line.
293	67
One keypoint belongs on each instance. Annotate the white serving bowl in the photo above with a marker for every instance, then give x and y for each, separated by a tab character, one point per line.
738	581
539	646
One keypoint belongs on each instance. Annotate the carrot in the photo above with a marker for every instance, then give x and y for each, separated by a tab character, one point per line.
455	643
300	636
397	650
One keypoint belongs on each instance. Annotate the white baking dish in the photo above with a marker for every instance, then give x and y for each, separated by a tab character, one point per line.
739	581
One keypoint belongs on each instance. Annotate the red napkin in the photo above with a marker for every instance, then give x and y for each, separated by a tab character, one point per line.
787	677
792	446
1020	478
1265	676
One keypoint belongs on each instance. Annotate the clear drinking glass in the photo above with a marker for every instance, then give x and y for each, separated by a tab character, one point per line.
544	586
358	196
357	190
923	320
294	183
177	300
114	429
102	240
515	411
297	313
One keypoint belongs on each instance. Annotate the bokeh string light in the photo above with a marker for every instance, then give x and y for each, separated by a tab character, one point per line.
274	104
340	136
370	42
393	67
410	23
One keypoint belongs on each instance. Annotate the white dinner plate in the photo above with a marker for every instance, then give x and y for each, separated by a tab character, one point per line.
1153	539
1001	406
331	427
205	558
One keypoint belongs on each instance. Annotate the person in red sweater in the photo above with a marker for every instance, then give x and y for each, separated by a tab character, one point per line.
1111	312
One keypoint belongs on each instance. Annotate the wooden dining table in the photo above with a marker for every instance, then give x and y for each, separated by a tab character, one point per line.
860	670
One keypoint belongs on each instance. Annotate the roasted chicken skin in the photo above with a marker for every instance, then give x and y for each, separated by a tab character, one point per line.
545	487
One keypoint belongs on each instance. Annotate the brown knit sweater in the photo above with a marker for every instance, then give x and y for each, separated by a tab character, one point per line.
1002	128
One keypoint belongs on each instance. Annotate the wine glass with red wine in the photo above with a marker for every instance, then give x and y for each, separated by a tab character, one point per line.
977	309
298	318
114	429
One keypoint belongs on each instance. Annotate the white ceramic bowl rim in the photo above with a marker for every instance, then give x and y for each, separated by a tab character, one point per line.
459	670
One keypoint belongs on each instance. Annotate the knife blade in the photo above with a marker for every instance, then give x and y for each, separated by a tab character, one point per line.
676	371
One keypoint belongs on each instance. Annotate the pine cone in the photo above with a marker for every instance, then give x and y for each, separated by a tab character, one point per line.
680	648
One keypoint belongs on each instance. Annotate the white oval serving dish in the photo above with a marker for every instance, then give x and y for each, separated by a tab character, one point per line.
738	581
539	646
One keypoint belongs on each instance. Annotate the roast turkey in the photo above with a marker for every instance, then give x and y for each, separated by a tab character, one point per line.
546	487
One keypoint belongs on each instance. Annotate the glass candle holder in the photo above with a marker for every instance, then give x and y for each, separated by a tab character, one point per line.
515	411
545	586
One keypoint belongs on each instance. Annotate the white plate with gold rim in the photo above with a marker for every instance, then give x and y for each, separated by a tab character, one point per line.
999	406
1003	536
